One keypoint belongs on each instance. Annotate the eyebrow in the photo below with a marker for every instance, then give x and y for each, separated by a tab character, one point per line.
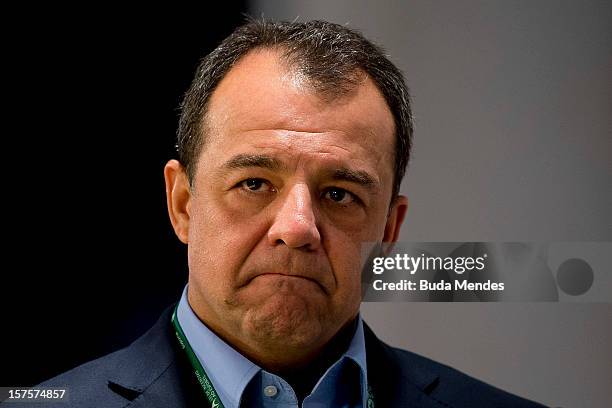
243	161
355	176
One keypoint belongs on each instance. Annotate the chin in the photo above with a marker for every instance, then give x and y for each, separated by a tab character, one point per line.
286	321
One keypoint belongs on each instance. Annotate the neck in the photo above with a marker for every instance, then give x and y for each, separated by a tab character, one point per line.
276	353
297	363
303	379
289	363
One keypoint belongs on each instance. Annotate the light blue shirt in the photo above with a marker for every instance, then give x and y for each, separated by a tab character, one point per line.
236	379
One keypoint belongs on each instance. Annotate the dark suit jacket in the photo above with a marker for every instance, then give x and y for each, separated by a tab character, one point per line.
152	372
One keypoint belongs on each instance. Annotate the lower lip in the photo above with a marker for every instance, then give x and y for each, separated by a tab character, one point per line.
280	276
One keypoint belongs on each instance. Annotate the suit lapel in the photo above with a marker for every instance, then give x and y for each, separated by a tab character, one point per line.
154	373
396	381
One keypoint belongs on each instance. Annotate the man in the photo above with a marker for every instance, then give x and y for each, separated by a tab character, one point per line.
293	141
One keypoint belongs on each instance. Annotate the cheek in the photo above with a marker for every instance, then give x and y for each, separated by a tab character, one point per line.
346	263
219	242
346	253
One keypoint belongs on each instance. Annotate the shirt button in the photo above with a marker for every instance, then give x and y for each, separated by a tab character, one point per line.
270	391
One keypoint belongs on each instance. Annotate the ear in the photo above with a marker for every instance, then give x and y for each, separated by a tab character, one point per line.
178	198
395	219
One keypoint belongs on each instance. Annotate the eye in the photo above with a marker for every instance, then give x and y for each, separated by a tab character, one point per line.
339	195
256	185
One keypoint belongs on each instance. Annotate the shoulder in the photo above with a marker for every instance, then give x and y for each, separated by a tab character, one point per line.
89	385
124	376
416	377
458	389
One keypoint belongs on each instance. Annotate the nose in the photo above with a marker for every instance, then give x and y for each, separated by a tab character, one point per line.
295	223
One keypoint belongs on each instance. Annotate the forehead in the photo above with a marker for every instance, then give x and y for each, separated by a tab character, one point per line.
261	94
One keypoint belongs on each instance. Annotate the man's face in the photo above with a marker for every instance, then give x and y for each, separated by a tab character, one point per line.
288	186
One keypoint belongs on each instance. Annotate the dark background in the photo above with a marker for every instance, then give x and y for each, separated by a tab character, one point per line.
92	113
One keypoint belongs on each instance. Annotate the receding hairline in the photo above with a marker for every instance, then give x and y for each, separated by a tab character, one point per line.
328	52
343	88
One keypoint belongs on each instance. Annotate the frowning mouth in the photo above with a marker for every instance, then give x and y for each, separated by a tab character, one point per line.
274	275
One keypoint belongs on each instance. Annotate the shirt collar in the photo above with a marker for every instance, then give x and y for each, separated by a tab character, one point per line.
230	372
357	352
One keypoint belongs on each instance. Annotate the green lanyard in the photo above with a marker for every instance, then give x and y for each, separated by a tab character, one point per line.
198	370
